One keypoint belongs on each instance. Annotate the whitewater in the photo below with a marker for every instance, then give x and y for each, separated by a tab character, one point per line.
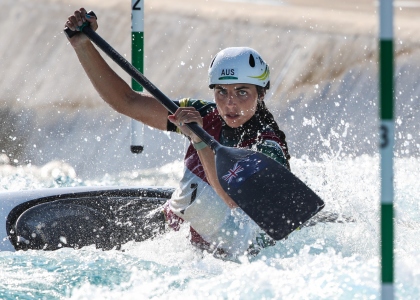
325	261
56	132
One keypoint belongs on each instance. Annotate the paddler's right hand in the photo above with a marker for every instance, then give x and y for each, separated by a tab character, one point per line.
77	19
184	115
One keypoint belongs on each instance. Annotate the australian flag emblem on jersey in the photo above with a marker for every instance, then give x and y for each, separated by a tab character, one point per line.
243	169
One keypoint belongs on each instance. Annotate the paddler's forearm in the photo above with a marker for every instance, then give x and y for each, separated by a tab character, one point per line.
117	93
207	160
107	83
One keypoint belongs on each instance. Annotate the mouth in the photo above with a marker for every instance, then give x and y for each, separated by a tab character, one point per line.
232	116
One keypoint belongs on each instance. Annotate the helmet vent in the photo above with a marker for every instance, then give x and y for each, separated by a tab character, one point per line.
251	60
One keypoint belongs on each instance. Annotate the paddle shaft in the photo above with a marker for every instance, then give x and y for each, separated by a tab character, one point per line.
141	79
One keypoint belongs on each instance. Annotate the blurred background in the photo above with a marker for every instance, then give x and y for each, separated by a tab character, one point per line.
323	60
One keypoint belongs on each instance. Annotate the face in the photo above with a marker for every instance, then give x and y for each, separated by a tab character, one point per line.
236	103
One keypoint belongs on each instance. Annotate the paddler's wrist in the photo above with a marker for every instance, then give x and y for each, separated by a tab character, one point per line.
195	140
198	144
83	45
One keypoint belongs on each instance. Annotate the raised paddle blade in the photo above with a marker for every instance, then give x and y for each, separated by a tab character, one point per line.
267	192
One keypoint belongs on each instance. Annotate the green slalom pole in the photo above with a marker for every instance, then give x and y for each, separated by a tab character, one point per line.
137	60
386	94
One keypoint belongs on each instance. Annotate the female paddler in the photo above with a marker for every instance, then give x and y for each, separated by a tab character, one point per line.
237	117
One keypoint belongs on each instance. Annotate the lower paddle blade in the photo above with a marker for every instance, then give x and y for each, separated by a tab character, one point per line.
267	192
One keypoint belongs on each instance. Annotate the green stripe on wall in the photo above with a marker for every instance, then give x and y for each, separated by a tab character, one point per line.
386	79
137	57
387	233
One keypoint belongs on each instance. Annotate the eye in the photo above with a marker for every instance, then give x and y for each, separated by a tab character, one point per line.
222	91
242	93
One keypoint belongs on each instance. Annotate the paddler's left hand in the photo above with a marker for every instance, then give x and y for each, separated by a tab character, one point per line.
185	115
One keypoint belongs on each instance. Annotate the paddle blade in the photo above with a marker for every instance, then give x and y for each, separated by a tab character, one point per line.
267	192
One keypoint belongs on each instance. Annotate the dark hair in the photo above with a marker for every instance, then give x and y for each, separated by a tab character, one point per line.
267	118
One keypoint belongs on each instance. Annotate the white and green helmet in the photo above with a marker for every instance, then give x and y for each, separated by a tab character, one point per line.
239	65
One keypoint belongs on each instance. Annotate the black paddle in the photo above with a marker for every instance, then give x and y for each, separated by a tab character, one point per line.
267	192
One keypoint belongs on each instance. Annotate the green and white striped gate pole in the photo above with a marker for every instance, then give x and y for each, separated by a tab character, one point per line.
386	93
137	60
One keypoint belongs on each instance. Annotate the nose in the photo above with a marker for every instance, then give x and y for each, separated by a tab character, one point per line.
231	98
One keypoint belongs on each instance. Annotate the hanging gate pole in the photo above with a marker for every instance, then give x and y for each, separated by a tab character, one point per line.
386	93
137	60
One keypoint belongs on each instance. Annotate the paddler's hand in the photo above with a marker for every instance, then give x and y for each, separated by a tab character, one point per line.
185	115
75	21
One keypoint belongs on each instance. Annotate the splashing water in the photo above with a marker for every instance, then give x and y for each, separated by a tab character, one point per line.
325	261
